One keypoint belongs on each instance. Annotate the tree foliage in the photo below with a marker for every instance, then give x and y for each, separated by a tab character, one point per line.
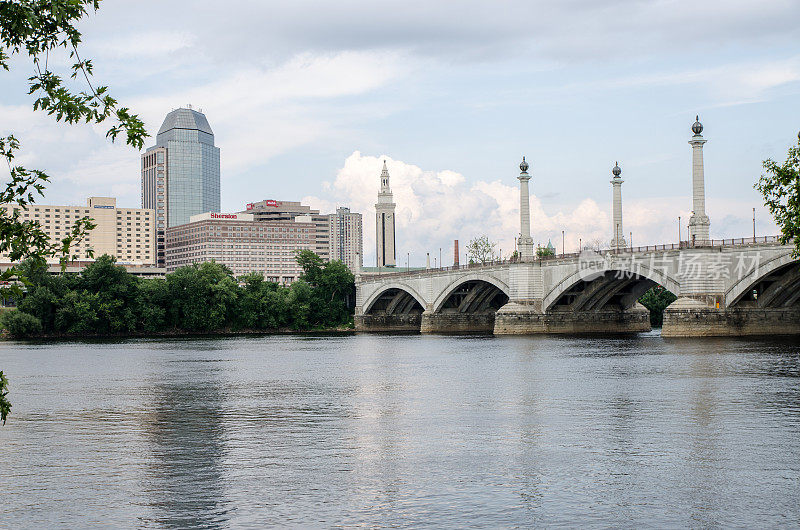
38	29
481	250
656	299
780	186
542	252
21	325
105	300
5	405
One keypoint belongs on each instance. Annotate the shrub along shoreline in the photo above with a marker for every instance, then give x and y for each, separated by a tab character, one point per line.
106	301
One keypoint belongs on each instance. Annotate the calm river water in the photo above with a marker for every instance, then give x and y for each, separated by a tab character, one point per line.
402	431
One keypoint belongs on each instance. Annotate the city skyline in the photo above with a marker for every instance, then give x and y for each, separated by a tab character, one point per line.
312	118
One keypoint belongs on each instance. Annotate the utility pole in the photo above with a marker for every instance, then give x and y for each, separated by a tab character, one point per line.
754	225
563	250
679	231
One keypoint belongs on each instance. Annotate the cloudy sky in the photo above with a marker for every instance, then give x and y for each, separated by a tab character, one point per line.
306	99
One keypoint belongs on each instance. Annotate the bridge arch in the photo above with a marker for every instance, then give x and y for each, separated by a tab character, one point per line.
601	286
394	286
783	271
475	277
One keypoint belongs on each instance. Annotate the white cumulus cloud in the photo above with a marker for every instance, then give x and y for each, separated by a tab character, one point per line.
436	207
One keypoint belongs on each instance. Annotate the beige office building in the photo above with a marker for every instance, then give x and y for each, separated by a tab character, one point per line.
128	234
241	243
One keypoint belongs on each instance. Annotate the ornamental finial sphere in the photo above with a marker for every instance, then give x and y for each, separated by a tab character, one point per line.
524	165
617	171
697	127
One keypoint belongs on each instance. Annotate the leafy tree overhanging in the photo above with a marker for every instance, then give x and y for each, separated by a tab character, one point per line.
37	29
780	186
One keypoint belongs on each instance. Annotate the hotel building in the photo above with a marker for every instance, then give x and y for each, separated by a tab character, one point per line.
272	210
128	234
242	244
337	236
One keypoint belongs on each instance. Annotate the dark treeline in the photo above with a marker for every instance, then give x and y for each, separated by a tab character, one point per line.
656	300
104	299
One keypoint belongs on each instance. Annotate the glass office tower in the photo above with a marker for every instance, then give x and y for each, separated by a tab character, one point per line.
180	174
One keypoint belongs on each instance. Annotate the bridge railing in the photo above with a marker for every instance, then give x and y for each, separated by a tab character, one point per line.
705	243
697	243
418	272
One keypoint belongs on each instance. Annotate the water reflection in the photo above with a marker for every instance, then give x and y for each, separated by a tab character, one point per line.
404	431
704	448
185	430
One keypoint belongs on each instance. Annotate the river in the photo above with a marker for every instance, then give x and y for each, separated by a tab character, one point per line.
409	430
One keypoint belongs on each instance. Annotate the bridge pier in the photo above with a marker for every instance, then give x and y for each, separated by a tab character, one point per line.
690	318
383	323
454	322
525	319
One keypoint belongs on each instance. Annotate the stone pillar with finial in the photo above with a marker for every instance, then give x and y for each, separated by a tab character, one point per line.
618	241
525	242
699	222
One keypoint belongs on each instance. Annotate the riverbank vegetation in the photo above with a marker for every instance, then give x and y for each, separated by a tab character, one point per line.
656	300
106	300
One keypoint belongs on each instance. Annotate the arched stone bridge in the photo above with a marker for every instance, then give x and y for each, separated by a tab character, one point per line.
730	288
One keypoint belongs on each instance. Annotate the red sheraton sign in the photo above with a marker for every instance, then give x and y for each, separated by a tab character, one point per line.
224	216
268	202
